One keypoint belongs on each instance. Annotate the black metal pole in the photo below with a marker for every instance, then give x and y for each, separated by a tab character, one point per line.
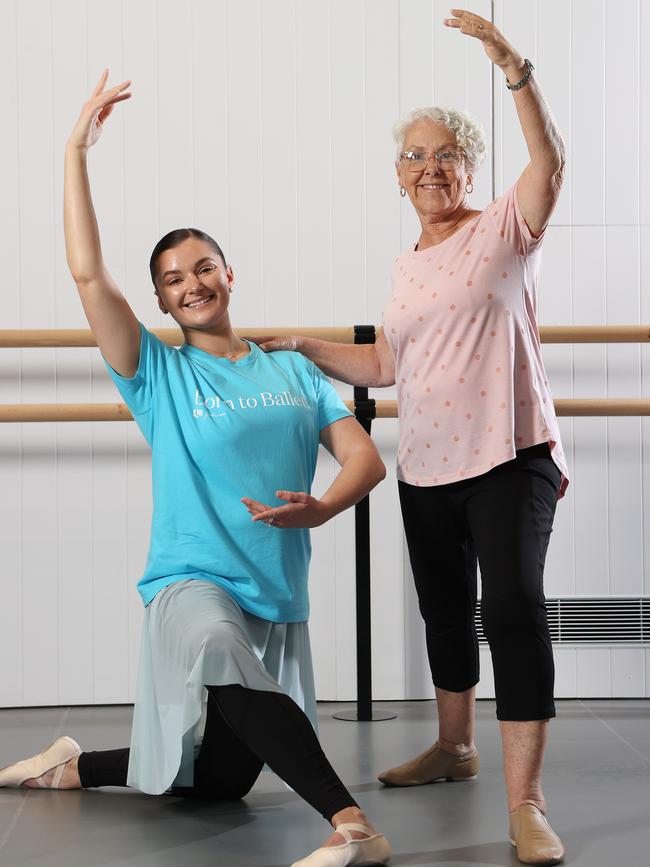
362	560
364	410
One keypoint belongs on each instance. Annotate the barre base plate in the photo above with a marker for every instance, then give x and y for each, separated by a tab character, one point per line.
353	716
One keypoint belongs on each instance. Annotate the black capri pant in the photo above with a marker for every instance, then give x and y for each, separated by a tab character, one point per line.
503	519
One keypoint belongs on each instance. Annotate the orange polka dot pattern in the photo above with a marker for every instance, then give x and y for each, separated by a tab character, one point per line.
461	324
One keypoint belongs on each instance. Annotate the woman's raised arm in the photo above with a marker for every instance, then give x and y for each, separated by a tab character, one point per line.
111	319
540	183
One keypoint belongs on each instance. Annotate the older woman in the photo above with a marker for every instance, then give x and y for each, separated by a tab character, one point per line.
480	464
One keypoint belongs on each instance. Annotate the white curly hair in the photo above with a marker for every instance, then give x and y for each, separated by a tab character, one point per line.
469	132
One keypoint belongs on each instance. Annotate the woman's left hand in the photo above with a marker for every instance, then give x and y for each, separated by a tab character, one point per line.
496	46
302	511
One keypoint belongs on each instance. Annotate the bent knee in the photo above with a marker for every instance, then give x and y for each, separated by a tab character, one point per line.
222	638
234	792
224	792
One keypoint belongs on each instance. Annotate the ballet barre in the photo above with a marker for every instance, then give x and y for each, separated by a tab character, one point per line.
54	338
61	412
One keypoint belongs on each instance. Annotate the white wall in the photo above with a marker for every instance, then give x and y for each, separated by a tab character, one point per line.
268	124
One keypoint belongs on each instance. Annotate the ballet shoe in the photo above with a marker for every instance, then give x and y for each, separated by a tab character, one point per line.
373	849
55	756
431	765
532	836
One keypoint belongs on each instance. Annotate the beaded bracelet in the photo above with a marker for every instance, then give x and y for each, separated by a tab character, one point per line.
524	80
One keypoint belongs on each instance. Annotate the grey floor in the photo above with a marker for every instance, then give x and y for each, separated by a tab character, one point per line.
597	783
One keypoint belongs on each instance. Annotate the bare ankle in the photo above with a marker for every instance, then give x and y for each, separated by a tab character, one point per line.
71	774
457	749
349	814
538	801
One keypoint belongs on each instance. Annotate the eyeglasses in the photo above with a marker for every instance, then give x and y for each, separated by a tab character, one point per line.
447	159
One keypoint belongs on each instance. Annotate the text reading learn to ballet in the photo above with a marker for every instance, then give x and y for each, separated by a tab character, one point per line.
262	399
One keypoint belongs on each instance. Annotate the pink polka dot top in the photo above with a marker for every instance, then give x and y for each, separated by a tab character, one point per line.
461	322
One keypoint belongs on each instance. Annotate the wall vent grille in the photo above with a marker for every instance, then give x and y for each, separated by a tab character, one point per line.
594	620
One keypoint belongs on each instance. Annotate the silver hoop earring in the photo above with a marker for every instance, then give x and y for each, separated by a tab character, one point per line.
402	191
469	187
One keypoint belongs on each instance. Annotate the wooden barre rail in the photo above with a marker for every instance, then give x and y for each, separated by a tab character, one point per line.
19	338
68	337
44	412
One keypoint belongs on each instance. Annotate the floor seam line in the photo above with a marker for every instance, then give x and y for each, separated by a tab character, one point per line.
14	821
616	734
19	809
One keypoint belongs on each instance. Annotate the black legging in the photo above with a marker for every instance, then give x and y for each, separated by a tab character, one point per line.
504	518
245	728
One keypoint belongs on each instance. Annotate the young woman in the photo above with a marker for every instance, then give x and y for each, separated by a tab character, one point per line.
225	671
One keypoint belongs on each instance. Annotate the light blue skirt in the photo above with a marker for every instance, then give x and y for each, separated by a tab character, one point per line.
194	634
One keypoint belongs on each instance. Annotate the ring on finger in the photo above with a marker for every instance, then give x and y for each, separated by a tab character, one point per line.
270	520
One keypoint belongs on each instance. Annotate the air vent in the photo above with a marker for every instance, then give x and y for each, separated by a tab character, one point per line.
594	620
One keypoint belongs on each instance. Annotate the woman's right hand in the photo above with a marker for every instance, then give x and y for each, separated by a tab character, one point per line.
289	343
95	112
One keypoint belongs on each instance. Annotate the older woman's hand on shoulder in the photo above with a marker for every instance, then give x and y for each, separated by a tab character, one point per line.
370	365
540	183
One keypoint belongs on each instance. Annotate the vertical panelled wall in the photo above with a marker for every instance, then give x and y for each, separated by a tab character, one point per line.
595	271
268	124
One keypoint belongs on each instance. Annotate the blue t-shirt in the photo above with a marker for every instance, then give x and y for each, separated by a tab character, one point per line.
220	430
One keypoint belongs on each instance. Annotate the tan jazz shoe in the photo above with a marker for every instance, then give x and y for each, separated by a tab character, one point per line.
55	756
373	849
431	765
533	838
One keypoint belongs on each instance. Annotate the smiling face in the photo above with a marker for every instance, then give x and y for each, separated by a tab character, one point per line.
193	285
435	193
